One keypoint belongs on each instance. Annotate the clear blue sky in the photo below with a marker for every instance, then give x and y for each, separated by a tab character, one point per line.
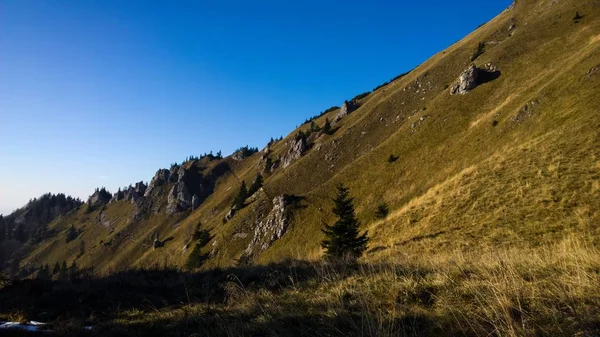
103	93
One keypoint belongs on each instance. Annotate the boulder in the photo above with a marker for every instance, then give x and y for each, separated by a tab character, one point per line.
466	82
229	215
473	76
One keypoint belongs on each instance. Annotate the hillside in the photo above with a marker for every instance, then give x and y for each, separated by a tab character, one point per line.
497	161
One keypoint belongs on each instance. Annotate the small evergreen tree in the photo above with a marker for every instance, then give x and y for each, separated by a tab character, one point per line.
20	233
73	270
382	211
44	273
256	184
343	239
56	269
327	126
314	127
64	271
238	202
71	234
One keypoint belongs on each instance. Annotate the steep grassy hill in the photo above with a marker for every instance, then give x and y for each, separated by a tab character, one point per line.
512	167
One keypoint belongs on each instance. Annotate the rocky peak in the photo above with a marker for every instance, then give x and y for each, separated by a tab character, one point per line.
133	193
160	178
99	198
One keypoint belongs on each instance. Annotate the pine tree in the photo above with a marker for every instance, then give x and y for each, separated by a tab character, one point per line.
73	270
314	127
238	203
63	273
44	273
256	185
71	234
56	269
343	240
327	126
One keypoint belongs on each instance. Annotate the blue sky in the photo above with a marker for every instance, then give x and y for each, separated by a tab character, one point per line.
103	93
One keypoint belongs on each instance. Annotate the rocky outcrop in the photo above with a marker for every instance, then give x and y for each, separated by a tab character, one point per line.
297	147
473	76
229	215
133	193
99	198
192	186
173	173
179	198
347	108
196	201
271	228
466	82
160	178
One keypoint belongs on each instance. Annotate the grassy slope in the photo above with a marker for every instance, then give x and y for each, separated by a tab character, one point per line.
459	183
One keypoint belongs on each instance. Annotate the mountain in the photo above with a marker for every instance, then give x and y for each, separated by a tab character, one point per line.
489	146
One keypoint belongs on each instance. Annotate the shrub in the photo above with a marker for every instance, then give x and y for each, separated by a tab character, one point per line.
480	50
392	158
382	211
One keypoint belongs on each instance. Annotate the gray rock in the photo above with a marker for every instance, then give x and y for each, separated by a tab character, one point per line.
173	173
296	149
133	193
179	198
466	82
229	215
347	108
196	201
271	228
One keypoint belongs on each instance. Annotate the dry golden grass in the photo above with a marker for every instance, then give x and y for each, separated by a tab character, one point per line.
544	291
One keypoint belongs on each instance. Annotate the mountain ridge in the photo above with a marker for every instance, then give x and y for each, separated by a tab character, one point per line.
441	140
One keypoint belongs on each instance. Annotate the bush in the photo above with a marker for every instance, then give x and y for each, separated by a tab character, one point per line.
480	50
382	211
392	158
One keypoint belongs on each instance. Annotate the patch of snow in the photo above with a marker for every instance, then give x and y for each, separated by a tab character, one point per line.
31	326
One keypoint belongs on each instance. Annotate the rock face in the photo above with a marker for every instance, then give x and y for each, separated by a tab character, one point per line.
179	198
473	76
160	178
133	193
296	149
347	108
192	187
100	198
173	173
272	228
196	201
